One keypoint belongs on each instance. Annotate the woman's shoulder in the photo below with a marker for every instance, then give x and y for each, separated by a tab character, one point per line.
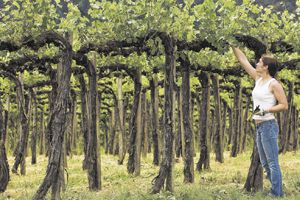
275	84
274	81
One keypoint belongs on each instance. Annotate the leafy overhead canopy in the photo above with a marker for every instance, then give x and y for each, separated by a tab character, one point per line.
216	22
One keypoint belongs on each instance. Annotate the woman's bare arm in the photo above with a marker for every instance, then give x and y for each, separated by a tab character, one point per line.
245	62
279	94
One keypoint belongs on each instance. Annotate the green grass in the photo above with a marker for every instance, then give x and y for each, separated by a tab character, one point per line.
224	181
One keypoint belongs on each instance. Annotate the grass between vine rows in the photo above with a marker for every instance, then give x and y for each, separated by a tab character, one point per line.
224	181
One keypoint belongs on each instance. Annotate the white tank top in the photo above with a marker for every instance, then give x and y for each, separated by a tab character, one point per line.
263	98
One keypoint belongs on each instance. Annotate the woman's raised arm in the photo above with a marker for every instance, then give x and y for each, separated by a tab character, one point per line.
245	62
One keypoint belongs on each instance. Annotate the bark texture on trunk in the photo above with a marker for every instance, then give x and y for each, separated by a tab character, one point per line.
295	128
92	148
203	162
166	167
120	117
84	118
178	140
154	121
145	127
52	97
254	181
4	167
188	170
92	154
57	122
236	120
134	128
218	143
34	128
246	124
42	132
230	130
224	120
285	134
20	150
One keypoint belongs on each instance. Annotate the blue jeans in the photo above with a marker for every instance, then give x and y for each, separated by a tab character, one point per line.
266	140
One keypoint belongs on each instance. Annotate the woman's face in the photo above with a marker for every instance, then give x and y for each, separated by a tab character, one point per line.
260	67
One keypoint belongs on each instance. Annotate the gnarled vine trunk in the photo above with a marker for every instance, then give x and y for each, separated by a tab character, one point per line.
52	97
166	167
4	167
92	148
218	143
178	139
254	182
295	128
57	123
120	117
203	162
20	150
246	125
236	120
34	128
154	121
84	117
134	129
42	132
188	170
285	134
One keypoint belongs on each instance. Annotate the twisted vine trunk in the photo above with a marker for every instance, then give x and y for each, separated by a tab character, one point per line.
218	142
180	122
26	140
74	121
224	118
4	167
5	127
230	131
285	134
178	140
57	126
134	129
145	126
236	120
122	133
34	128
84	118
203	162
188	170
241	125
92	148
166	167
52	98
154	121
246	124
42	132
20	150
295	128
254	181
106	127
112	142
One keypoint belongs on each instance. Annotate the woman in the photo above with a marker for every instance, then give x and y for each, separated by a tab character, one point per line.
268	98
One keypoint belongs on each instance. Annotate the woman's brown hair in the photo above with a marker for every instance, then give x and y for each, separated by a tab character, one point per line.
272	64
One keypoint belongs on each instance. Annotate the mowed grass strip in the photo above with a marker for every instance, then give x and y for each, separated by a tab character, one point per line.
223	181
